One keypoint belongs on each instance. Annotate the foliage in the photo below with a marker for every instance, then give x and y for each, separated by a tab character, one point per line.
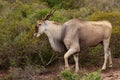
68	75
115	42
95	50
66	4
28	73
20	49
103	5
113	17
18	17
99	5
92	76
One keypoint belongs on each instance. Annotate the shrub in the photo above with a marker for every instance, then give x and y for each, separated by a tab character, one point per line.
20	48
92	76
67	4
115	42
1	6
113	17
97	5
58	16
39	14
1	21
68	75
17	20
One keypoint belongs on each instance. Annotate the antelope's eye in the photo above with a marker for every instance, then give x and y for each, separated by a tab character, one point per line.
36	29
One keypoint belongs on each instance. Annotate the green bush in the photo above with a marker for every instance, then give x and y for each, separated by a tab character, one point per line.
1	6
92	76
96	5
18	46
39	14
68	75
115	42
17	20
66	4
113	17
1	21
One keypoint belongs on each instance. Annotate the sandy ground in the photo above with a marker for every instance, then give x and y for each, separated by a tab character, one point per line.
109	74
112	73
52	73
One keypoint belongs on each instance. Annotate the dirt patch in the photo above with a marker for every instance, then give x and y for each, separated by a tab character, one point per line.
112	73
109	74
53	72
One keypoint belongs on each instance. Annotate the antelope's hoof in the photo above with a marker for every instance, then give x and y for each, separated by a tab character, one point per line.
67	68
103	68
76	71
110	66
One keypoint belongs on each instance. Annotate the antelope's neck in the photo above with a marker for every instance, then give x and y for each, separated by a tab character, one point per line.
54	31
54	34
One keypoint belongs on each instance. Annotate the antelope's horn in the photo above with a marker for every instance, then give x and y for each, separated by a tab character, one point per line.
49	15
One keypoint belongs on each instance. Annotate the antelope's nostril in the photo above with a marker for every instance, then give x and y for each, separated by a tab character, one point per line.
36	30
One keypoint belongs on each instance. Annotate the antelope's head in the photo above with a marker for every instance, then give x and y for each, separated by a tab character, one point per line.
41	25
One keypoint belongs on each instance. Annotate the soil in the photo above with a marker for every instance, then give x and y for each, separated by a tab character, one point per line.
52	73
109	74
112	73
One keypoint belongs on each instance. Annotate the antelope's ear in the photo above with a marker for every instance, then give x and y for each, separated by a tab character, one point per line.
39	21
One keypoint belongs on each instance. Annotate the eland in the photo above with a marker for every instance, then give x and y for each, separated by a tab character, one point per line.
75	34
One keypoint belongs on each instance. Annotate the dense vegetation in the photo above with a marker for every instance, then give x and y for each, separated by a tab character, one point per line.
18	48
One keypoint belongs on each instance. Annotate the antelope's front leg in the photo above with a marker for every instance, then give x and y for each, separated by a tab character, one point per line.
67	55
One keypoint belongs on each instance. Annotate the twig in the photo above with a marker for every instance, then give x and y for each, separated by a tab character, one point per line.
42	59
50	60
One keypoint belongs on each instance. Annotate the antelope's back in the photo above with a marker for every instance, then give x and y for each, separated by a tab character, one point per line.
90	33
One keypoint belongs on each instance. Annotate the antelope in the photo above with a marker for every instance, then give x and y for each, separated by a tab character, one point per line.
75	34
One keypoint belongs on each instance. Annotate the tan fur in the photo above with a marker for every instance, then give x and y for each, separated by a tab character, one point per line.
76	34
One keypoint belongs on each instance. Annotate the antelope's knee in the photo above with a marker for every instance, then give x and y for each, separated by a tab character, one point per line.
65	56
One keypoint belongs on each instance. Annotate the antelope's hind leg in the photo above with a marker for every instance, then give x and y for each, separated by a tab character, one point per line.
106	52
76	59
110	59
